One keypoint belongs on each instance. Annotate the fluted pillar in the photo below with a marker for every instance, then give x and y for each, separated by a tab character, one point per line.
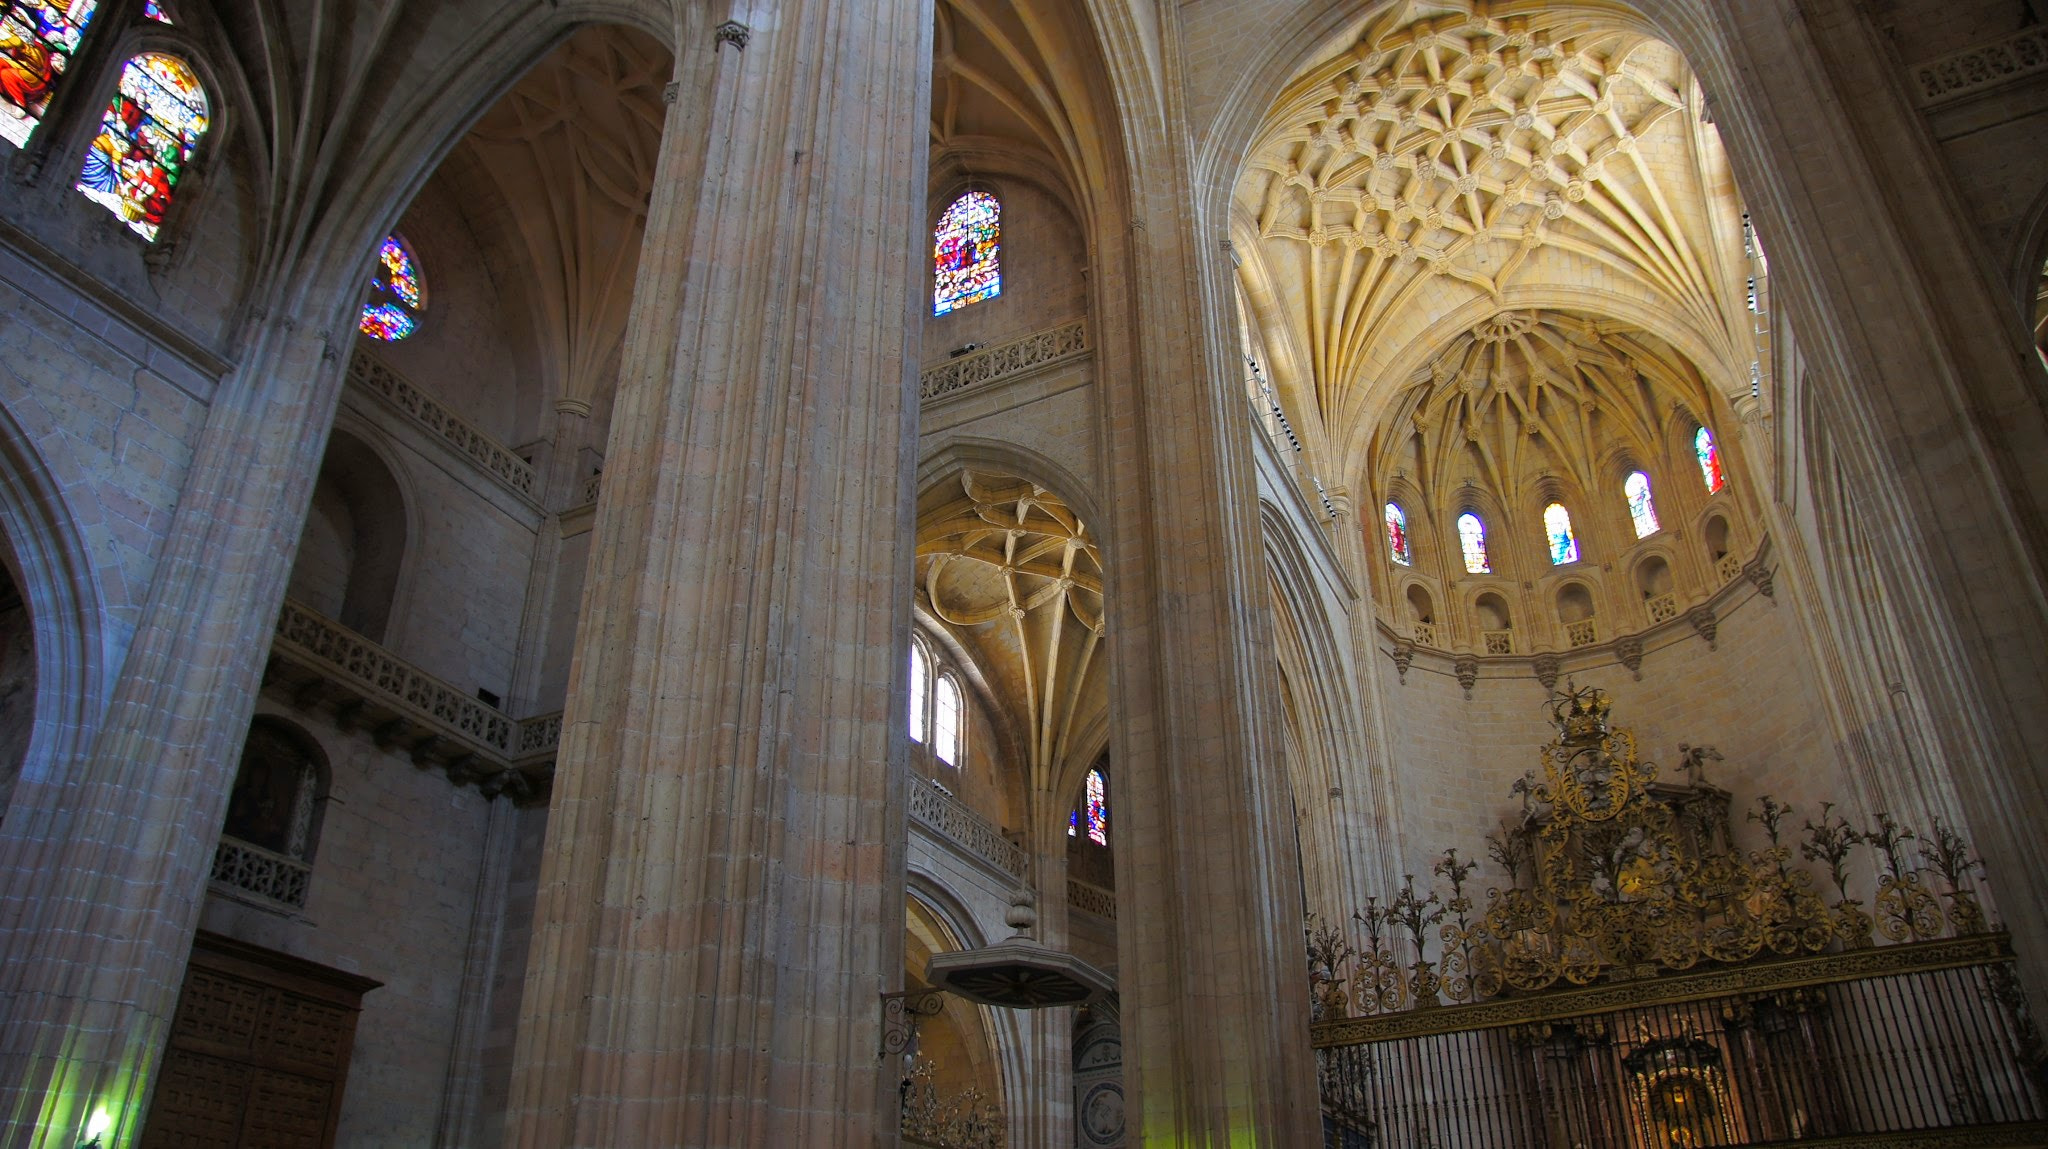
721	891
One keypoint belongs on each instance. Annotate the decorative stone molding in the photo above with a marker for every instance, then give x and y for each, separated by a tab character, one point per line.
1467	670
951	819
1091	898
1425	634
1584	632
1702	619
1760	575
1038	349
492	457
1663	607
251	869
1630	651
316	661
591	487
1547	668
1986	66
1729	568
1498	641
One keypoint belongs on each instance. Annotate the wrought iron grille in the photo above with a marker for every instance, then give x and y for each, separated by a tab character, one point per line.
1801	1050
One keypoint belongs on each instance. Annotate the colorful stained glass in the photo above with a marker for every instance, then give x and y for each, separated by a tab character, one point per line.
146	138
397	293
1557	527
1097	808
1641	510
1472	538
1710	460
38	38
155	11
1397	535
967	253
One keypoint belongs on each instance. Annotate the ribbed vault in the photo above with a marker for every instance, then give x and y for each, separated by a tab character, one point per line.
1456	152
1015	574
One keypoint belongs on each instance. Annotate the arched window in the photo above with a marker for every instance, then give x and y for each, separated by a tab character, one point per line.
1710	460
947	721
967	253
1472	539
155	11
273	818
147	136
1641	510
920	685
1094	811
37	42
1557	526
398	293
1397	535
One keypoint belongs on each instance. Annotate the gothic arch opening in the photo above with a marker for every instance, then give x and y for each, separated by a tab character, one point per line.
352	550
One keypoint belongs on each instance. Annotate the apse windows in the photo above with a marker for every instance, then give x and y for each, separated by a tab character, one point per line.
946	721
146	139
398	293
1710	460
1397	535
1557	529
1092	818
38	39
1472	540
1641	511
937	714
967	253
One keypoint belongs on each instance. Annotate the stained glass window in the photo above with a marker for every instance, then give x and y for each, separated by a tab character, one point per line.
1710	460
946	721
1641	510
920	682
1397	535
146	138
1557	526
37	40
966	253
1472	537
397	293
1096	809
155	11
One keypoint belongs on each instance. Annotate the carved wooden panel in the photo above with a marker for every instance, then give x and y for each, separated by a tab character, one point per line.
258	1053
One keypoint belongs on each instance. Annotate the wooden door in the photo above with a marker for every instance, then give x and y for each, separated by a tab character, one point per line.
258	1052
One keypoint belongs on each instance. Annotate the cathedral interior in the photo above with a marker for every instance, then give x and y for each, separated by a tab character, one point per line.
1023	574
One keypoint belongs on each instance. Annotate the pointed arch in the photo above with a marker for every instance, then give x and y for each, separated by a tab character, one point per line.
1709	456
1557	531
1397	535
1642	509
1472	542
398	292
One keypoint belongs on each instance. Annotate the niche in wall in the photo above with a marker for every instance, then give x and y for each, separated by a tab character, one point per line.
354	540
1653	577
1716	535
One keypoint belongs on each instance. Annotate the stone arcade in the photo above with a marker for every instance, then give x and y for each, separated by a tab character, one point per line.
635	573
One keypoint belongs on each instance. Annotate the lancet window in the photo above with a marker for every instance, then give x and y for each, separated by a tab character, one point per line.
1557	528
398	293
937	715
946	721
1710	460
967	253
1397	535
1641	510
1472	540
38	39
1092	816
146	140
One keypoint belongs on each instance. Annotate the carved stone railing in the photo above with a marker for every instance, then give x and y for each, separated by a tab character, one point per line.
1663	607
316	661
267	874
1498	641
1091	898
591	487
2024	53
1425	634
368	665
1038	349
491	456
950	818
1584	632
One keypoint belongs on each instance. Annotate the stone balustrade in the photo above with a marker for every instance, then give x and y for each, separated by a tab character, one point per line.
1090	898
492	457
951	819
988	364
251	869
1982	67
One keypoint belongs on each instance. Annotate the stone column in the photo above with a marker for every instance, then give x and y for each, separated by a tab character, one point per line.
721	897
462	1087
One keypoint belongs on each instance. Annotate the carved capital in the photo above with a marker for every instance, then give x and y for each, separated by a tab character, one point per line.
733	32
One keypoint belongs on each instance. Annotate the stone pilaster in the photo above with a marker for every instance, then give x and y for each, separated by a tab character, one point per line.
720	897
